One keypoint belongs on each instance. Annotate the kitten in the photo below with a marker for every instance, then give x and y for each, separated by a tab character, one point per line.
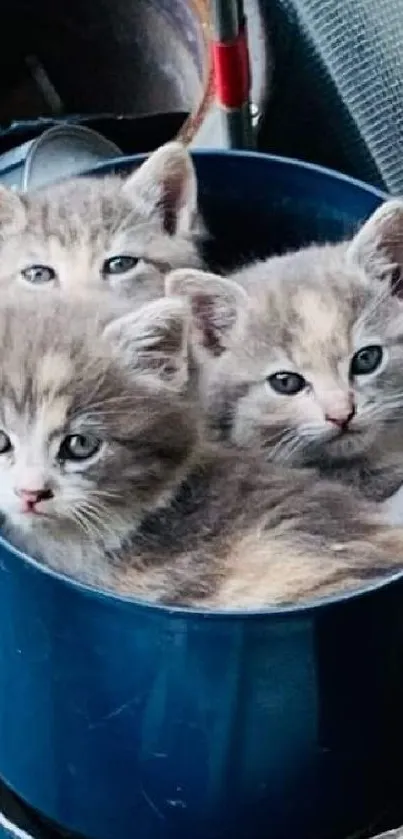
104	474
303	354
89	233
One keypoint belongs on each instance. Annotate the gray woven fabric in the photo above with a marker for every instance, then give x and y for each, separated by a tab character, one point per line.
337	94
360	43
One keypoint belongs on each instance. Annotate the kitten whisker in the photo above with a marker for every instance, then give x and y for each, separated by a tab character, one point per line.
287	438
98	518
291	448
80	520
106	493
379	411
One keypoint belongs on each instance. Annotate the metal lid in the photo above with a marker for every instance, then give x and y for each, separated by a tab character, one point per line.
62	152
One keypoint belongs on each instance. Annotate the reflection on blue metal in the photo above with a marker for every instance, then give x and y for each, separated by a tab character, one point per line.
8	830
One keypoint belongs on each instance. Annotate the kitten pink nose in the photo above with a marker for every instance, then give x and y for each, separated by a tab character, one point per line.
30	497
341	419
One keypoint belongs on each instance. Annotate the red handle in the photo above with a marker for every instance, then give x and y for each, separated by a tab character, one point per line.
231	70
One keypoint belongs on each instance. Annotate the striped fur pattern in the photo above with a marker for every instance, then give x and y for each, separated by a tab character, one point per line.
151	510
309	313
69	235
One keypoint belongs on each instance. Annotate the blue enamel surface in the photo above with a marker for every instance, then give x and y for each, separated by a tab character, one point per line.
118	719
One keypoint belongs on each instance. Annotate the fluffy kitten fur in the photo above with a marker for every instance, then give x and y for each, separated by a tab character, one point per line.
73	227
154	511
309	312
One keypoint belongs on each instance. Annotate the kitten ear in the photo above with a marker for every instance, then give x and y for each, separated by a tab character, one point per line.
378	246
12	212
215	304
154	339
168	186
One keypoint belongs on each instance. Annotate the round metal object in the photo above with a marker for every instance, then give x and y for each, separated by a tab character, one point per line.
118	716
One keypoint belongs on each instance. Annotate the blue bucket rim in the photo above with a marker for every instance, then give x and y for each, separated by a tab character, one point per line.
241	154
302	609
198	613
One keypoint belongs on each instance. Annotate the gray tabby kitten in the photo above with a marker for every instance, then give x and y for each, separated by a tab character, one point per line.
88	233
105	475
303	354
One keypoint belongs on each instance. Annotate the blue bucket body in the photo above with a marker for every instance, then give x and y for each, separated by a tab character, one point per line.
121	719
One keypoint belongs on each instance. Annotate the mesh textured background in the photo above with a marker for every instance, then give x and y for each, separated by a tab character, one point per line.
338	85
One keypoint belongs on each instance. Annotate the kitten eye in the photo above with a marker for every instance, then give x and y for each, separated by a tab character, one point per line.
119	265
5	443
38	274
366	360
287	383
78	447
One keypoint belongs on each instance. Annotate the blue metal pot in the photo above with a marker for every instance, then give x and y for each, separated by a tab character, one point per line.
120	719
